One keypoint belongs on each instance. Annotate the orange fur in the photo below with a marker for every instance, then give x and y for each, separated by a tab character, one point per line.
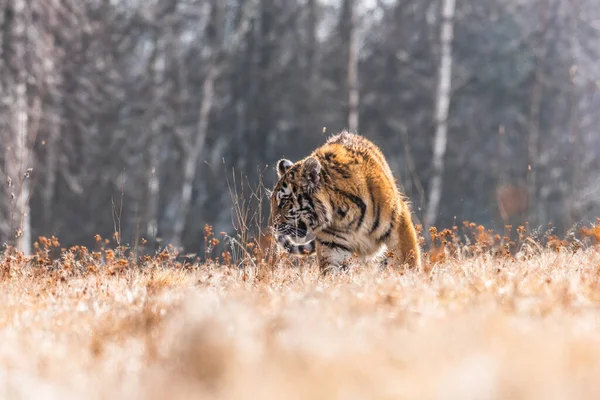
345	198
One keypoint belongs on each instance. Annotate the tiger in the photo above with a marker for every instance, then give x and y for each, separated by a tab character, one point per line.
341	201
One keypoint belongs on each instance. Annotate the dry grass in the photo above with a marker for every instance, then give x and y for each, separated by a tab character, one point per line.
485	326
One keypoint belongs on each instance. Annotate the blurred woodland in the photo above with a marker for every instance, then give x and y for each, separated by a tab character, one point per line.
154	117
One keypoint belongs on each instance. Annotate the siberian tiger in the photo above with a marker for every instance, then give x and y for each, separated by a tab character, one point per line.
342	200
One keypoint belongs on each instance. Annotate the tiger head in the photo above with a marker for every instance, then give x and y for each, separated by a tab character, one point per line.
296	211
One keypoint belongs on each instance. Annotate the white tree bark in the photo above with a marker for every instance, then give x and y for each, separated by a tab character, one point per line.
24	154
17	169
19	151
441	112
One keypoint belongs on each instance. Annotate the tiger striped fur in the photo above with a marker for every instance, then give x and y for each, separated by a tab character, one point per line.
342	200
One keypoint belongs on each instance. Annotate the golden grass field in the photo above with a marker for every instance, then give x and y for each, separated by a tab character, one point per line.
91	325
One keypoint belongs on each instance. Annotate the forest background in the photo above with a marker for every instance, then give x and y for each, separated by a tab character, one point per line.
153	118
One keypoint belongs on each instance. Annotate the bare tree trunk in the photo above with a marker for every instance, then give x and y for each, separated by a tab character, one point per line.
191	156
50	173
19	160
153	193
534	116
52	159
573	211
353	90
441	112
20	151
158	65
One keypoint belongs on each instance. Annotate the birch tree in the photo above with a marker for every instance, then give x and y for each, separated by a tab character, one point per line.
16	123
162	18
441	112
218	48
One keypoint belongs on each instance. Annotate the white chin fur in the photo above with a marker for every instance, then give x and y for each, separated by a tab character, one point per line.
301	241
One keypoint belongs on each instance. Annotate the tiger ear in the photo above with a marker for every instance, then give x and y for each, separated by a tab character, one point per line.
282	166
311	171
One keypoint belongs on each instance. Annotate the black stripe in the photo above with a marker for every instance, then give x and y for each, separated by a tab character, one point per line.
342	213
329	156
340	170
340	231
389	231
357	153
327	180
377	206
329	159
311	203
359	203
293	171
316	204
332	232
377	216
334	245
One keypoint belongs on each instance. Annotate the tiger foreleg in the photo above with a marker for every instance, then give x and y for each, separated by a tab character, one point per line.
331	258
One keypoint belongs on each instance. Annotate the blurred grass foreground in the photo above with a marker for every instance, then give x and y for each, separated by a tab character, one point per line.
479	323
